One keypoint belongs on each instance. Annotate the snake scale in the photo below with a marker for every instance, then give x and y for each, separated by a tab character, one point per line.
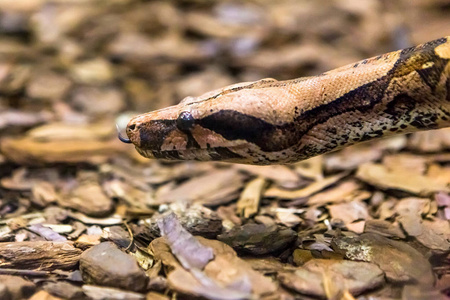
278	122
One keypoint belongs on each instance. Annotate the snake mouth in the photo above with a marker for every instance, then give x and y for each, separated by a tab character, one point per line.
209	154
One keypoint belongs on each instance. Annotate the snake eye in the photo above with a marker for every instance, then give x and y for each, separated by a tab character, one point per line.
185	121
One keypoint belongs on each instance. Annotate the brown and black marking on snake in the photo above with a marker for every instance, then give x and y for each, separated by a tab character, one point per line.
232	125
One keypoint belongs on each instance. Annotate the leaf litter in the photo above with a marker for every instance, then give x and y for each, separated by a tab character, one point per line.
369	221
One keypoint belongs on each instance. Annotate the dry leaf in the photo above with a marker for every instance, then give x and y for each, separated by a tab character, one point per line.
383	178
304	192
326	278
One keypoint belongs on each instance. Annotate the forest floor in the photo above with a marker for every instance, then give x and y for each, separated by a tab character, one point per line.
83	216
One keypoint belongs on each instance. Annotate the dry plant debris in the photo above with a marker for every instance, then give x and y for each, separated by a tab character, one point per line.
83	216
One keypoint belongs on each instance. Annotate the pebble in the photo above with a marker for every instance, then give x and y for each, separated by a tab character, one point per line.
106	265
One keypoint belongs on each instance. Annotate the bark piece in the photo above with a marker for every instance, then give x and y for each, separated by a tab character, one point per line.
383	228
89	199
43	194
197	219
105	264
434	234
248	203
46	256
259	239
101	293
226	276
328	278
399	261
64	290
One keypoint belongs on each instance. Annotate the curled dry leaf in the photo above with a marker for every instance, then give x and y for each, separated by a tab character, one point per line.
43	194
413	164
311	168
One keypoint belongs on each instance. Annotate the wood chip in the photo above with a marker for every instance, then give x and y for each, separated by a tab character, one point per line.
45	256
248	202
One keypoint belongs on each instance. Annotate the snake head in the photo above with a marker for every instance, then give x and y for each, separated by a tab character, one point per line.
225	124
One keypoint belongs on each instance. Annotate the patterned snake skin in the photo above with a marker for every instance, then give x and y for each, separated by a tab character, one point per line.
277	122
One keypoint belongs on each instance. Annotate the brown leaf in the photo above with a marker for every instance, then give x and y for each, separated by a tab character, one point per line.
206	189
326	278
343	192
304	192
383	178
349	212
281	175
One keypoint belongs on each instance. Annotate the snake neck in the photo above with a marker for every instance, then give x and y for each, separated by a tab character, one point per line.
401	92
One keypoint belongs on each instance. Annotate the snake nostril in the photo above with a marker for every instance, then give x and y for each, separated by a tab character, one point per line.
132	127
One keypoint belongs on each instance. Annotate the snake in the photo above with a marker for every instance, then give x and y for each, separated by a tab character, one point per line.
281	122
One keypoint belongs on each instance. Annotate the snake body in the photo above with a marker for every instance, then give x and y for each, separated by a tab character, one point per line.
276	122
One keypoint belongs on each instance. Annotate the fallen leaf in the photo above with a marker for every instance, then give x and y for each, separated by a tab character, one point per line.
326	278
349	212
304	192
383	178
